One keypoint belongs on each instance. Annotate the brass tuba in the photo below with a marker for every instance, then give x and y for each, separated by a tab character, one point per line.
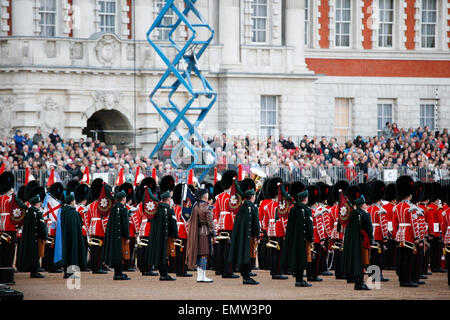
258	175
141	242
179	243
377	247
338	245
408	245
273	244
446	249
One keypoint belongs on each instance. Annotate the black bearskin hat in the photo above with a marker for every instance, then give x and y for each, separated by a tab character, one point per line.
376	190
57	191
71	186
217	190
150	183
177	194
340	185
247	184
167	183
272	187
353	193
428	189
325	191
436	191
313	194
404	186
417	193
6	182
81	192
227	179
30	186
390	192
96	188
21	193
128	189
295	188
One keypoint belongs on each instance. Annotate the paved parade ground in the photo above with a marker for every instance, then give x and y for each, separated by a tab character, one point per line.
102	287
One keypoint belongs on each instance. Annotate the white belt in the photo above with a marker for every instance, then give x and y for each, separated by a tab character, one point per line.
144	220
448	228
95	219
335	223
404	224
375	224
224	212
4	214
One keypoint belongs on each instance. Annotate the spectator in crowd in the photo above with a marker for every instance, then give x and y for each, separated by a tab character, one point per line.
37	137
19	140
54	136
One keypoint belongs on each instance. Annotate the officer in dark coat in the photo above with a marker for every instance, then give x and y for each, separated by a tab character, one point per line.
117	231
359	222
245	230
73	246
34	232
163	230
299	233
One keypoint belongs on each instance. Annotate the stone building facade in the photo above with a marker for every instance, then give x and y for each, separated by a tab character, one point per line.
292	67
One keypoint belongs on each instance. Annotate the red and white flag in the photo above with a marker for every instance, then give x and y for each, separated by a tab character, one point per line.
86	177
120	179
51	178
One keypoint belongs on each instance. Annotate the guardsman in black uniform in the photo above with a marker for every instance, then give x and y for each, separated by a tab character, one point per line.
117	234
162	235
299	234
245	231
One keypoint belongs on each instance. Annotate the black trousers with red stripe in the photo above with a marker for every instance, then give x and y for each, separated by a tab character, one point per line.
7	249
405	267
276	257
180	258
223	249
314	267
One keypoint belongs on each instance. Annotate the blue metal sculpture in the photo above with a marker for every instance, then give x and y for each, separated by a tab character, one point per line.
181	73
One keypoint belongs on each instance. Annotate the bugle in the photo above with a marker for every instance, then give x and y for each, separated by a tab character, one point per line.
338	245
273	244
95	242
376	246
179	243
257	177
5	237
141	242
223	236
50	241
408	245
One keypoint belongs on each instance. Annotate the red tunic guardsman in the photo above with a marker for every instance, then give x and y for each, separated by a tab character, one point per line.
325	199
389	204
406	230
379	224
434	222
319	233
445	227
129	264
81	198
7	228
224	219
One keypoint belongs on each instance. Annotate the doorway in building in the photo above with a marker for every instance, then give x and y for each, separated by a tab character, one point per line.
111	127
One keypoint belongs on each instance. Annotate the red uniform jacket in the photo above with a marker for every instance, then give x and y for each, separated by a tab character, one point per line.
327	220
405	223
82	210
389	207
424	220
334	214
133	221
94	221
222	213
434	219
144	230
379	222
181	223
318	224
5	213
273	228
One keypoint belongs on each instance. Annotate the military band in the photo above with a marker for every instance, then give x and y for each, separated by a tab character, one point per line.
234	225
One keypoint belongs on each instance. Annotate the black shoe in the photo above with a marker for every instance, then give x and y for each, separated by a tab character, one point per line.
303	284
255	268
37	275
350	280
326	273
362	287
130	269
166	278
85	270
440	270
423	277
251	274
250	281
149	273
316	279
230	276
409	285
279	277
100	271
383	279
419	282
121	277
56	271
184	274
40	270
341	277
218	273
428	273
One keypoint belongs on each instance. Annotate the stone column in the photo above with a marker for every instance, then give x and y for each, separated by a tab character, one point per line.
22	15
229	31
83	18
295	32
